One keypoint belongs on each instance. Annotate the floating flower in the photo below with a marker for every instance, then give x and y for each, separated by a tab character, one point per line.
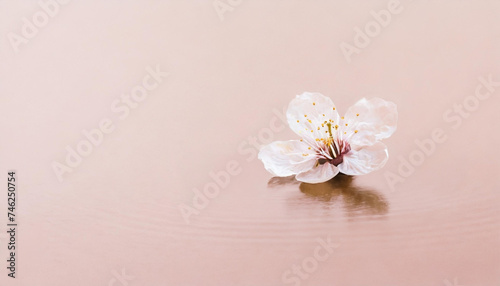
331	144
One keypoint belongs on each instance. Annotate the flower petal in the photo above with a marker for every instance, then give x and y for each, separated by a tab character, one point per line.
365	160
308	112
286	158
374	119
319	174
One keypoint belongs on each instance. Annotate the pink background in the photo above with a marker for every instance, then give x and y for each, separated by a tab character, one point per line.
119	209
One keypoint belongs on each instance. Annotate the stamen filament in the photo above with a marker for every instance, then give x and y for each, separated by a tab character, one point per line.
331	141
333	151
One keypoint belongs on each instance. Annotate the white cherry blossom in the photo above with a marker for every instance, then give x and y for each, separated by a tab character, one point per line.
330	143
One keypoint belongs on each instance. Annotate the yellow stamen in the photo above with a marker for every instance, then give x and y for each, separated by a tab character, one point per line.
330	129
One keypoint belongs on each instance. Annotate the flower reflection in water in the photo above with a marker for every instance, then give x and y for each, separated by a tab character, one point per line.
341	190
